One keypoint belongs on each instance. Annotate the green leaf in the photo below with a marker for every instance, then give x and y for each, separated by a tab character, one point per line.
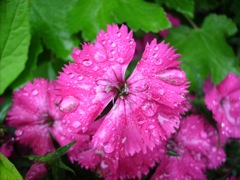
4	107
8	170
45	70
185	7
53	156
27	75
205	51
172	153
49	21
14	41
63	166
91	16
142	15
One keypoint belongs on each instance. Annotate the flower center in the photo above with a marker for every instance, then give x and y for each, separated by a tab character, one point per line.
123	90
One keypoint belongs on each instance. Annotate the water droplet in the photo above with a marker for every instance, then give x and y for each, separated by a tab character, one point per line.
112	52
156	48
35	92
102	134
25	93
141	122
155	55
96	68
80	77
151	127
87	62
113	44
172	76
214	149
131	41
77	52
124	140
161	91
76	124
103	165
108	148
100	57
203	134
158	61
68	104
18	132
120	60
149	108
103	42
118	34
71	75
161	119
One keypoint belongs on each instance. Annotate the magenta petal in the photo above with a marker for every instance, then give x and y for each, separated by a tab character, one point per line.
36	171
223	101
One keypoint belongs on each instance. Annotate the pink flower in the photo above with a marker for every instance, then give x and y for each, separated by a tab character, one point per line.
122	168
201	139
36	171
224	102
173	20
146	106
179	168
6	148
35	115
196	144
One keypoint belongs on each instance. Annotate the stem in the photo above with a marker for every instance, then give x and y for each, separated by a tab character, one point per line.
192	23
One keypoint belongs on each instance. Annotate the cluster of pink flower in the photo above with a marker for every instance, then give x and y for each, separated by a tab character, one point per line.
125	126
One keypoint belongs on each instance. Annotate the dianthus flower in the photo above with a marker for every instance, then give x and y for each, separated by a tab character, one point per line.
129	167
146	105
224	102
197	146
35	115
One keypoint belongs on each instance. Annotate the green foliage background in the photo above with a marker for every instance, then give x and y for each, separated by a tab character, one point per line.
37	36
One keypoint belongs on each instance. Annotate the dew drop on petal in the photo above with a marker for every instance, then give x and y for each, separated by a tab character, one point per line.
151	127
124	140
120	60
35	92
87	62
156	48
68	104
113	44
119	34
25	93
149	108
113	52
18	132
80	77
203	134
214	149
108	148
158	61
71	75
76	124
172	76
103	165
100	56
